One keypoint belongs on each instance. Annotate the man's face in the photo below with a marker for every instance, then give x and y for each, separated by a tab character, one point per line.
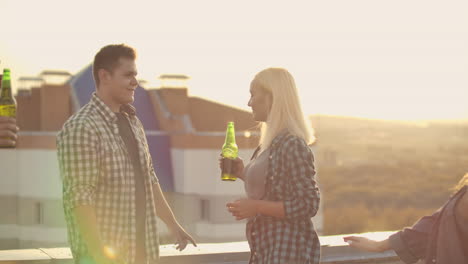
122	82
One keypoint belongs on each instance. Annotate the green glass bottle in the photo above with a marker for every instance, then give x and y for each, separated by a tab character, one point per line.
7	101
229	153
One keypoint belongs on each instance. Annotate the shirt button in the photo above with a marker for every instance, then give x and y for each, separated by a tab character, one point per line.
271	157
253	233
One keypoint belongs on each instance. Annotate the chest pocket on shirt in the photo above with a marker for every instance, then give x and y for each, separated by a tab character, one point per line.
113	163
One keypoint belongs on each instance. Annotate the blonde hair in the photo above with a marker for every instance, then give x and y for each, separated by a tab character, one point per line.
286	111
461	183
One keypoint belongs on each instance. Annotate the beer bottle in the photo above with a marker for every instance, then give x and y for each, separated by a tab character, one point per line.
229	153
7	101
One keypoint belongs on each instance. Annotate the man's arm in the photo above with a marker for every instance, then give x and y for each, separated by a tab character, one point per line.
162	208
165	213
87	224
78	163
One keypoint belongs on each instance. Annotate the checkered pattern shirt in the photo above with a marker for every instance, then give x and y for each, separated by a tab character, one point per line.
96	170
290	179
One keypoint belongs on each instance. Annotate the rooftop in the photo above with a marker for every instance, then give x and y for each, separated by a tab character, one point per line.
334	251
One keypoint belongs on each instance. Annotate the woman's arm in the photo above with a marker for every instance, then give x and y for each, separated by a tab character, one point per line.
304	199
246	208
366	244
409	244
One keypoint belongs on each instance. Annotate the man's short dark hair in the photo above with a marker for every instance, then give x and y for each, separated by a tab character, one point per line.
108	58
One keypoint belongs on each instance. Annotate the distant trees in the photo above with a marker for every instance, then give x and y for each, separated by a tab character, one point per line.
377	175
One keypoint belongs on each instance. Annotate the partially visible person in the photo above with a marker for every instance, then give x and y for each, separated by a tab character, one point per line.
283	195
8	131
439	238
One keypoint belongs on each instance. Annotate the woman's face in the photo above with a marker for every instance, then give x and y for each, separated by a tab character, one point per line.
260	102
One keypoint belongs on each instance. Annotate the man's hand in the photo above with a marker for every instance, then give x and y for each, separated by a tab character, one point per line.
165	213
182	238
8	131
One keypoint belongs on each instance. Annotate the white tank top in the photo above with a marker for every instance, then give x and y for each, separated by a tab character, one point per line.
255	176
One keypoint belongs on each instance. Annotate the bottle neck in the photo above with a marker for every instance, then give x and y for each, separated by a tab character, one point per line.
230	136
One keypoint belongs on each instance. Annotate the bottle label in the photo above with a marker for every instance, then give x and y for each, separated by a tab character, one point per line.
8	110
227	166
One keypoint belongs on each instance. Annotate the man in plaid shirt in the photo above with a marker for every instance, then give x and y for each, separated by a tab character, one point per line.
111	194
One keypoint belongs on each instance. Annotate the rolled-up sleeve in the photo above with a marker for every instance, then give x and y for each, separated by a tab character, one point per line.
305	197
401	248
410	244
78	163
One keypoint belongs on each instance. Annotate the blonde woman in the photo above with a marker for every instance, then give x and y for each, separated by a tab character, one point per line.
282	194
439	238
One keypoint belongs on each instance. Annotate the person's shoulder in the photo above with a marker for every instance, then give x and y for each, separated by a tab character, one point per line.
462	194
294	141
80	121
137	121
462	203
293	147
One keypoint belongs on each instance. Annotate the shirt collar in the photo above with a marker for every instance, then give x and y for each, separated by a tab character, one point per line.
128	109
107	113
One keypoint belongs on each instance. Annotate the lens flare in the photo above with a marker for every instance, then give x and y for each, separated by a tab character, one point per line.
109	252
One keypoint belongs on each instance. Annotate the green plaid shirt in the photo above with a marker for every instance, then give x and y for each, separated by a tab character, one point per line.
290	179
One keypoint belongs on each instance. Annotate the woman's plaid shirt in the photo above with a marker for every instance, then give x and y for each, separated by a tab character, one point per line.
290	178
96	170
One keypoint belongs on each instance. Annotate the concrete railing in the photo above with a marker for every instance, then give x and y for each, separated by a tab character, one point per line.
334	251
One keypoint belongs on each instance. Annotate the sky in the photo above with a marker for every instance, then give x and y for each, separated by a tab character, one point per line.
398	60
